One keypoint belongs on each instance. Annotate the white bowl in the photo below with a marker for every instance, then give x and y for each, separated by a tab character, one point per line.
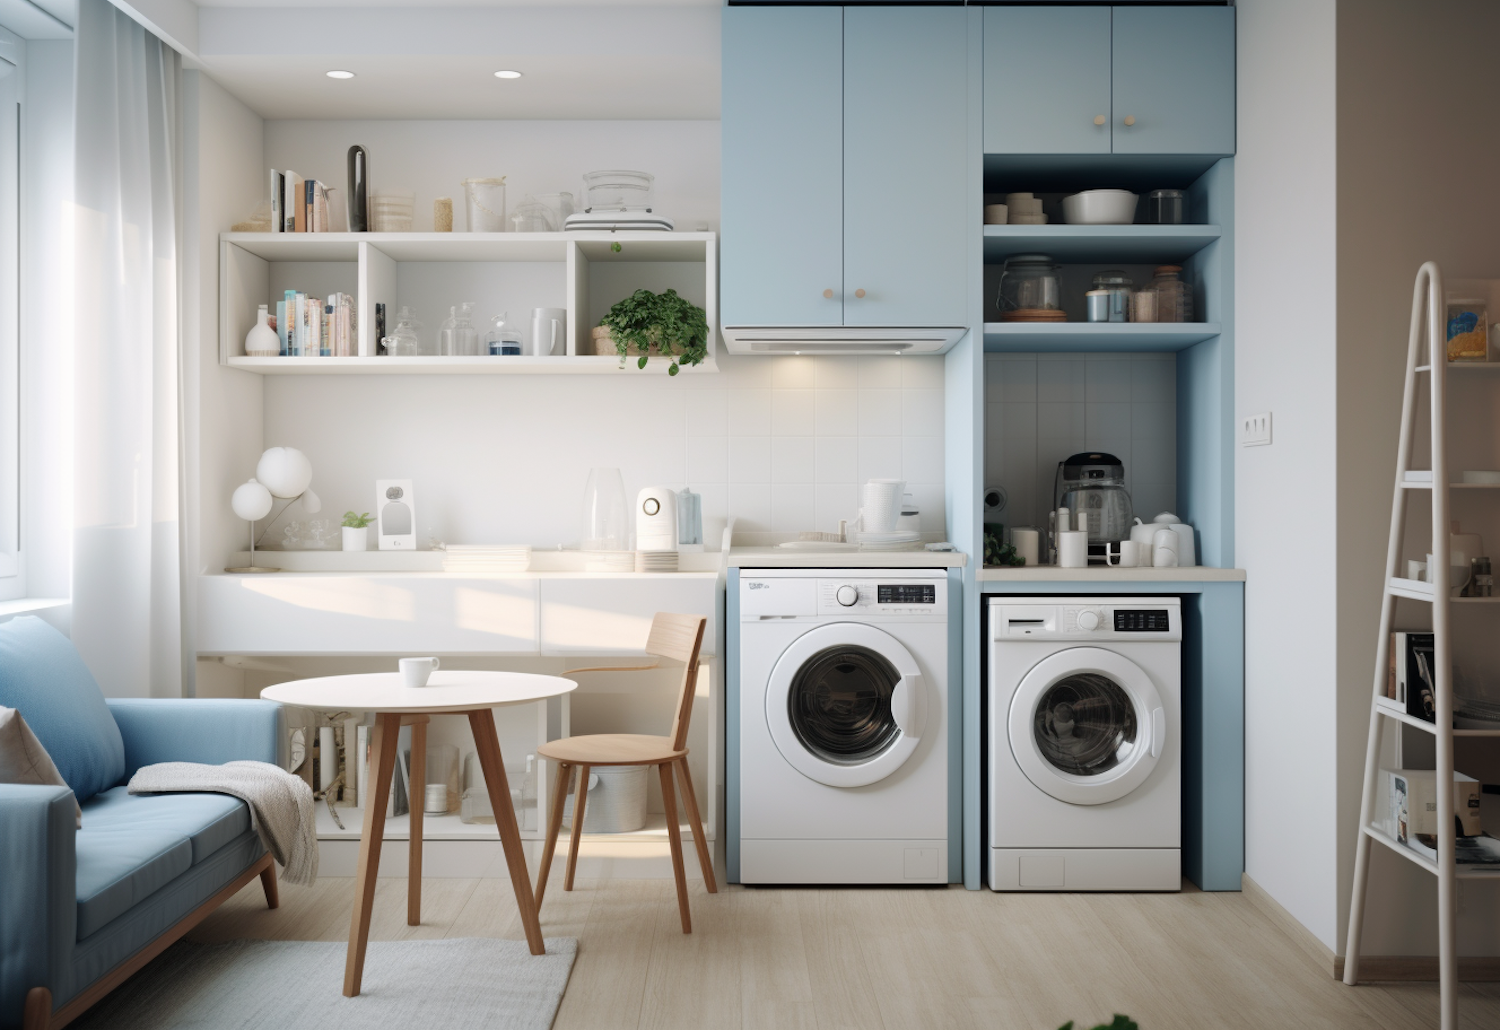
1100	207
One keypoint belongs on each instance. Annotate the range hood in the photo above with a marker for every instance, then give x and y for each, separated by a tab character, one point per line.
840	339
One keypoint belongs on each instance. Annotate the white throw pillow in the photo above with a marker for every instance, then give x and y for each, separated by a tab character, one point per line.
24	760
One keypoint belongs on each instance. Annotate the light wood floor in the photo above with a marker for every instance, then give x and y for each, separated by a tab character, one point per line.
893	958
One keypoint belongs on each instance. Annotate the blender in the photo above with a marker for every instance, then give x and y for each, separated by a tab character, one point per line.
1091	486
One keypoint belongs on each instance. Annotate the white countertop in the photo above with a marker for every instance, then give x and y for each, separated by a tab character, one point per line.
786	558
1106	574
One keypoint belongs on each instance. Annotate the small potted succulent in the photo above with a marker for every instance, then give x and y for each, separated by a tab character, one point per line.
647	323
357	531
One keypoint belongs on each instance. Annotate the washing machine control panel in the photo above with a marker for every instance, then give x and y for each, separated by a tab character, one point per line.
1086	618
882	597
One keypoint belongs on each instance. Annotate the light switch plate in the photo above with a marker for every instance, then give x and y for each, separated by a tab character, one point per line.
1255	430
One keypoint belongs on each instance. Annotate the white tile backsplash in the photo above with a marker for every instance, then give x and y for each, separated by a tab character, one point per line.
793	412
1041	408
749	459
793	460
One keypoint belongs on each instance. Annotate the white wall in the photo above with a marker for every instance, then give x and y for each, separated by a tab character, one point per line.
777	443
1285	504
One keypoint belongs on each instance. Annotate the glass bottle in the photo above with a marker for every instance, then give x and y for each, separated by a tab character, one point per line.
445	339
502	340
689	520
465	336
405	340
1174	300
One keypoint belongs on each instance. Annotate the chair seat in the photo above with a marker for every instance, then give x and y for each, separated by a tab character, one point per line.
611	749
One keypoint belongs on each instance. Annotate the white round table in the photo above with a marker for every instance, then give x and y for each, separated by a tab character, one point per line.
454	693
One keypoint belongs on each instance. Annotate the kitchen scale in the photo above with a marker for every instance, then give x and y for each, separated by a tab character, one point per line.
614	221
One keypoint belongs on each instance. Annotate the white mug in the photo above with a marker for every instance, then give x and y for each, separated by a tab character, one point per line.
1028	544
1164	549
1073	549
414	671
1126	554
548	328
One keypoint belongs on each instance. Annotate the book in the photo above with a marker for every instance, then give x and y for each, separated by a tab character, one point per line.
295	216
1410	683
278	183
319	207
281	324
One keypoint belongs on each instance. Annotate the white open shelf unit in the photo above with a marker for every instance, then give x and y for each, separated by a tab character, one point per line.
514	272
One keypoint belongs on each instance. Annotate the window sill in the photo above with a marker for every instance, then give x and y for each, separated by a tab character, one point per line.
27	605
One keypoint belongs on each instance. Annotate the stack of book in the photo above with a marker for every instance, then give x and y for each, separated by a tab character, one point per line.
298	204
313	327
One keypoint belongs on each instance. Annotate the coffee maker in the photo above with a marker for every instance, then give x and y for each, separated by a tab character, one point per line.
1091	486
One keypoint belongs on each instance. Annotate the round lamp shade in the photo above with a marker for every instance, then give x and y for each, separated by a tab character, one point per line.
311	502
285	471
251	501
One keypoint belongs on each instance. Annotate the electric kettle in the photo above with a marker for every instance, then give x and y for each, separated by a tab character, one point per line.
1092	485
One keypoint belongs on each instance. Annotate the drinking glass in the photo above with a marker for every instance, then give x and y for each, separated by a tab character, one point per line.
606	525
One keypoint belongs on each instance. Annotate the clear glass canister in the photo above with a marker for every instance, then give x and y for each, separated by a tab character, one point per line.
1166	207
1115	285
1030	286
501	340
405	340
1174	298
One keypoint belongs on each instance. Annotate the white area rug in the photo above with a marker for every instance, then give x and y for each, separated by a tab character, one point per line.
282	985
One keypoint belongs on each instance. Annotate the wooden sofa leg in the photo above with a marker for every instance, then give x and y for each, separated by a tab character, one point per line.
38	1012
268	882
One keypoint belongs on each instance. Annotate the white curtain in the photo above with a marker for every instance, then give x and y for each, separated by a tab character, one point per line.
127	562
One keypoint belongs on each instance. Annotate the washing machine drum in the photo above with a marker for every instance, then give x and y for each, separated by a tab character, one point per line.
846	704
1087	725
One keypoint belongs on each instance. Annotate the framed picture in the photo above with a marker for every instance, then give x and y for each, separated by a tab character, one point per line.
396	514
1468	331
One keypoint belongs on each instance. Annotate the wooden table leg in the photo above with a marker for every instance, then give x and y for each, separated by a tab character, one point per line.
383	746
417	777
487	744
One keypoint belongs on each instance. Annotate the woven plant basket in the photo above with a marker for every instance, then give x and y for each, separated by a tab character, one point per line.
605	344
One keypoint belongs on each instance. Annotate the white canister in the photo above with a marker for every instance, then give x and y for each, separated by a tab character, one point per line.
1164	549
1187	549
1028	544
1073	549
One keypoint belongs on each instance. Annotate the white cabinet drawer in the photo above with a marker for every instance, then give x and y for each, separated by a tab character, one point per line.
606	615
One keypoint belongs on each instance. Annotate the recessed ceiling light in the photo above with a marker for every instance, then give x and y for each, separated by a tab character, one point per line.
339	74
507	74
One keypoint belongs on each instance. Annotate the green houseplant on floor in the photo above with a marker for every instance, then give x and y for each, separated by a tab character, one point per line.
662	323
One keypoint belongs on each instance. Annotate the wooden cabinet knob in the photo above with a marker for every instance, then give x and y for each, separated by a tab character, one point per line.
827	294
1098	119
859	293
1130	119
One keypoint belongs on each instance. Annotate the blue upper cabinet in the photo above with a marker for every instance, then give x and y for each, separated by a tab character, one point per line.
1109	80
1174	80
1046	80
904	188
782	182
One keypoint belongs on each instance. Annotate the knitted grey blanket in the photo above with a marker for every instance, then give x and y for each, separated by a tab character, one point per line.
281	804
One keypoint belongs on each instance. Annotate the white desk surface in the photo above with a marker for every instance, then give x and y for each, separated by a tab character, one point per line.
445	691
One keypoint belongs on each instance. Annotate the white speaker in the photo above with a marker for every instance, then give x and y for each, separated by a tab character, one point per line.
656	519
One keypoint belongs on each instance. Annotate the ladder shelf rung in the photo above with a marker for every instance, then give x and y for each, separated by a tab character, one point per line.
1462	870
1419	484
1417	590
1466	366
1397	715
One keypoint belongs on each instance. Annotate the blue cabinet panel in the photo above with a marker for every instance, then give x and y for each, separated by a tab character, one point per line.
781	198
905	197
1046	80
1174	76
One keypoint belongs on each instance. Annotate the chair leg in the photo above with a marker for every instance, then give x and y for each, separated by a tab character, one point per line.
268	884
37	1014
554	825
674	838
700	839
580	798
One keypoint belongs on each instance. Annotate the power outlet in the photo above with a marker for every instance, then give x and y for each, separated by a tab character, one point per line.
1255	430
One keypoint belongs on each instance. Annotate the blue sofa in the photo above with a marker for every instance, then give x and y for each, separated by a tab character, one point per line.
81	909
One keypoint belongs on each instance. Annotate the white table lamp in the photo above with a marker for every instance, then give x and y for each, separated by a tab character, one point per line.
282	472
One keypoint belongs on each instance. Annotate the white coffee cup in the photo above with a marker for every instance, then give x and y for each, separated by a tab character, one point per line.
1028	544
1073	549
549	328
415	671
1126	554
1164	549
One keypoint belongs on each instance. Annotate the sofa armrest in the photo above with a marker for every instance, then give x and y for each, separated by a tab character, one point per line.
38	894
212	731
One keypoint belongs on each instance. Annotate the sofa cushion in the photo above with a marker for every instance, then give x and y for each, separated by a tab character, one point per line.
24	760
43	676
132	845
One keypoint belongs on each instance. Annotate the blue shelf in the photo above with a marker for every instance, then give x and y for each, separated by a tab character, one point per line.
1098	244
1093	337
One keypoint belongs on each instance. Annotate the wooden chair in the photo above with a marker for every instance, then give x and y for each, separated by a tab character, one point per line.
675	637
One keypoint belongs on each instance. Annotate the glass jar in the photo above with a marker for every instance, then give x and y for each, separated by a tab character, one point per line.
1030	290
502	340
1166	207
405	340
1174	299
1115	305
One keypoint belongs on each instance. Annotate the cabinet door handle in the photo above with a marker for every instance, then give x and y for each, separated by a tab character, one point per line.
1099	119
827	294
1130	119
859	293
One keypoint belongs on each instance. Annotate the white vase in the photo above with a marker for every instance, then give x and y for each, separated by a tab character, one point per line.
357	539
262	341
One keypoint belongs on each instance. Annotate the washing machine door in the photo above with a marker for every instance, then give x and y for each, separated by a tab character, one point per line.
1087	725
846	704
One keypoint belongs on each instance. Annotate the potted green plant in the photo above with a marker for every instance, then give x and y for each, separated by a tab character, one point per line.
647	323
357	531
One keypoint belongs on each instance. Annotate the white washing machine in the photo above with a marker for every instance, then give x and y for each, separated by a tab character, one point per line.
843	726
1085	743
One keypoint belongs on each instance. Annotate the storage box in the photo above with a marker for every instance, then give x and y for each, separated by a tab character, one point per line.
1411	809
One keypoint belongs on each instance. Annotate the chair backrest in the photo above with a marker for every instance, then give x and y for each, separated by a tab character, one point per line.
679	637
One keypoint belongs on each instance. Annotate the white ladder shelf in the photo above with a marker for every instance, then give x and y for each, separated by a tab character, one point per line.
1428	300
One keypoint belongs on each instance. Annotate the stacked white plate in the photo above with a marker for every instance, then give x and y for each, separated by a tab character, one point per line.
487	558
897	540
656	561
609	561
